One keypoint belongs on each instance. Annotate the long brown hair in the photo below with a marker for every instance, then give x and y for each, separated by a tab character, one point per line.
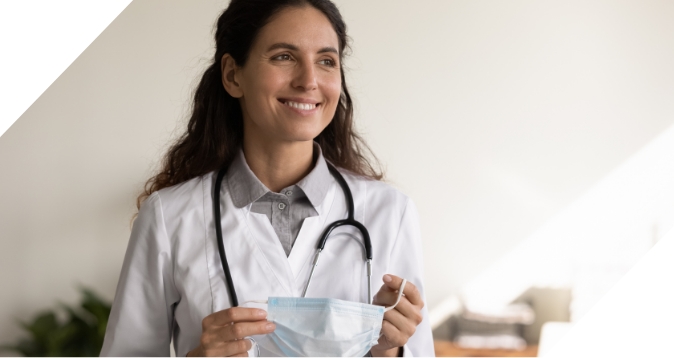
215	129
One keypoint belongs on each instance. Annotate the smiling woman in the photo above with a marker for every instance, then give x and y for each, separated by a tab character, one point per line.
289	90
270	174
215	132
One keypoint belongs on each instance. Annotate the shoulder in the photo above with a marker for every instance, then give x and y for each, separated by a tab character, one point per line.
184	190
179	199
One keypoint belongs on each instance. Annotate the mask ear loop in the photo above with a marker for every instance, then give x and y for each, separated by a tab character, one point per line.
400	294
257	346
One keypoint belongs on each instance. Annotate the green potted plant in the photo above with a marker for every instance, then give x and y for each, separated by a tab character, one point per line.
79	335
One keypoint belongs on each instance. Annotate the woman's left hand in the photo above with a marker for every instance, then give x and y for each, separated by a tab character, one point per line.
401	322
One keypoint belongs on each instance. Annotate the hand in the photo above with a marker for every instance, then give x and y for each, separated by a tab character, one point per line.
223	332
401	322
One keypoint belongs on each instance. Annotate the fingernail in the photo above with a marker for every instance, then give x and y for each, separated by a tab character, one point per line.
387	278
261	313
270	327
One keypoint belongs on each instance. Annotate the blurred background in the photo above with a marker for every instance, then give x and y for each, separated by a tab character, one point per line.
535	137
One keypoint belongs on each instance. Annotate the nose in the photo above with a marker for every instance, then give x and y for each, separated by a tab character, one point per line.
305	77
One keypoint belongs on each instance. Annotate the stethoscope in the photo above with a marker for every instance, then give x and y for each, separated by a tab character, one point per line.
321	243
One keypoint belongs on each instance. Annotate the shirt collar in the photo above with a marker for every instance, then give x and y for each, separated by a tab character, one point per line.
246	188
316	184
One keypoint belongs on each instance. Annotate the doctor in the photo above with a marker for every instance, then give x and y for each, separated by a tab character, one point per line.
274	110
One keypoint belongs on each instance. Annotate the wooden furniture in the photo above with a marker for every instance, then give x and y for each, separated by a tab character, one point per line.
449	349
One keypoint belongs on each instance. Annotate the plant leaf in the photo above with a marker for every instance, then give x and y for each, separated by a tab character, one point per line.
81	334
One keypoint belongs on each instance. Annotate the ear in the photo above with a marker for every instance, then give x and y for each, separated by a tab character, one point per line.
229	69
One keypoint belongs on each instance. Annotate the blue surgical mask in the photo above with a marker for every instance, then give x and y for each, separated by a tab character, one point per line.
308	327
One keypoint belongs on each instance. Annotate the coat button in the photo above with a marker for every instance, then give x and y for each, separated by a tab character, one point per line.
281	206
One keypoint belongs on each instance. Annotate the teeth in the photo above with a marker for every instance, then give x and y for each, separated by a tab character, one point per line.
302	106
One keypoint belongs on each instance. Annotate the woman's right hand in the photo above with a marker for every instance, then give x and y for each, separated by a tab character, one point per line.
223	332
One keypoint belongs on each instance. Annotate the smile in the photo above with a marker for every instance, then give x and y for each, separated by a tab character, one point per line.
299	105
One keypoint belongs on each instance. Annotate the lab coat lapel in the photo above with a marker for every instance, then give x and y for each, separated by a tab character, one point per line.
253	274
266	239
250	248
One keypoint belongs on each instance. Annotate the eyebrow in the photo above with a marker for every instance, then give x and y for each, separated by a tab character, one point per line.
292	47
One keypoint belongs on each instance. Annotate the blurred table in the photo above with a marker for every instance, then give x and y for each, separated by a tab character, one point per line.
449	349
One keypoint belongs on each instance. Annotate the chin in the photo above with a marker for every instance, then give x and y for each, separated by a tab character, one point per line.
303	134
302	138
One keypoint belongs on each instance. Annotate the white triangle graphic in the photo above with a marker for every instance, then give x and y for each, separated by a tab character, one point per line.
635	317
40	39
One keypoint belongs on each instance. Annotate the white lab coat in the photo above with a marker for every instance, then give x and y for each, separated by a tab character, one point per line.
172	276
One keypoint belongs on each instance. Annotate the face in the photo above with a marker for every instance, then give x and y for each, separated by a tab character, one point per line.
290	85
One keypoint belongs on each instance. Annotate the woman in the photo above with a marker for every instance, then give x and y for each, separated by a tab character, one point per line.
273	110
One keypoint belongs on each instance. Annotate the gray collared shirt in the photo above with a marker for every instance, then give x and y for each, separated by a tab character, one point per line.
286	209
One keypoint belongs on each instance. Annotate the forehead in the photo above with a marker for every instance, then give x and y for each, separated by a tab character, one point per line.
306	27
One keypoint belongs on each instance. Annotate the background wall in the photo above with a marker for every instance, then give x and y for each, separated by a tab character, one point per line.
493	116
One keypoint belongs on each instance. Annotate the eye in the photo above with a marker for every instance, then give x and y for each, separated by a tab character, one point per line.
281	57
328	62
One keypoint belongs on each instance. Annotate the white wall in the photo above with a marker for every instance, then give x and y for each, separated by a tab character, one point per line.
592	243
492	116
74	163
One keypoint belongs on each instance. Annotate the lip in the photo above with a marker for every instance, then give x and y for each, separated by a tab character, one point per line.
302	112
299	100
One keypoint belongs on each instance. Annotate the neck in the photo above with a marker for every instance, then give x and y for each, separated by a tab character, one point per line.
278	164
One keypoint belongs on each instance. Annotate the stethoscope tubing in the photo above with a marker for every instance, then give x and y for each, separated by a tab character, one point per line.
221	246
350	221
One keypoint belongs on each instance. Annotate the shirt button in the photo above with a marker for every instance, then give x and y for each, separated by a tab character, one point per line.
289	192
281	206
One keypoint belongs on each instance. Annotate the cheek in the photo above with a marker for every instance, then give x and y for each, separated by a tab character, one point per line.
333	90
264	85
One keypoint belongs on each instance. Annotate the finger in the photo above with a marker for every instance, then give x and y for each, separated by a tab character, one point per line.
234	314
385	297
406	326
241	346
241	355
241	330
410	311
391	336
226	349
225	340
391	283
413	295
